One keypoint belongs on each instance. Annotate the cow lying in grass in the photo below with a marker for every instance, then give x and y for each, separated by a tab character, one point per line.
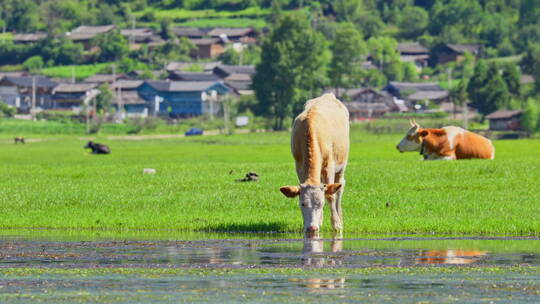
97	148
446	143
320	147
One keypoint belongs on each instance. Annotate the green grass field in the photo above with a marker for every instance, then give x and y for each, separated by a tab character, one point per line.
54	183
224	22
184	14
81	71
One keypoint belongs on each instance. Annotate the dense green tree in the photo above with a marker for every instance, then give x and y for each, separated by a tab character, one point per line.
383	51
530	116
292	67
458	94
33	64
20	15
530	64
104	98
410	72
413	22
348	51
454	19
487	89
347	10
370	24
511	76
112	46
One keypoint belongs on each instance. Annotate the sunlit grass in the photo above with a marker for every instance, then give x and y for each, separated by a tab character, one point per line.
81	71
54	183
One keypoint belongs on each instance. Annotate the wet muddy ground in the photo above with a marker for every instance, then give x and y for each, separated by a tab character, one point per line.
235	268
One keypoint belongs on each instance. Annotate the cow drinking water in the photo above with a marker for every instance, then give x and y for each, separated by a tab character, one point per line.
320	147
97	148
446	143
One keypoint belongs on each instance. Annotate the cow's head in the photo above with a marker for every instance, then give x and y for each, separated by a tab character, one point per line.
311	202
413	139
89	145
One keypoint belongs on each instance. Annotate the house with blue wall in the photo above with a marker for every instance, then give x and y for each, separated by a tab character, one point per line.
184	98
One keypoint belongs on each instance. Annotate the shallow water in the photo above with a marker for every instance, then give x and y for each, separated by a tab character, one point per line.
78	268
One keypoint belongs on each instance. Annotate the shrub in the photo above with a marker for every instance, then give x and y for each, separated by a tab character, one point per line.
7	110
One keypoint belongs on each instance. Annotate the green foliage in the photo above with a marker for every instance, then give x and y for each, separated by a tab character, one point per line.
81	71
33	64
530	64
348	51
530	117
347	10
112	46
224	22
104	98
413	22
496	193
410	72
292	67
248	55
383	51
7	110
487	88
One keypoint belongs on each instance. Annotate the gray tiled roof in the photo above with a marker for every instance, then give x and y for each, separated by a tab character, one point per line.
412	48
26	81
180	86
501	114
74	87
230	32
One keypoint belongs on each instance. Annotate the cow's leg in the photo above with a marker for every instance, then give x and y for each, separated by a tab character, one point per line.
330	178
340	178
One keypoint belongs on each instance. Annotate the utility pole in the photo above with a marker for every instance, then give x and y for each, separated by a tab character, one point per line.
465	115
132	30
87	104
33	106
226	118
449	70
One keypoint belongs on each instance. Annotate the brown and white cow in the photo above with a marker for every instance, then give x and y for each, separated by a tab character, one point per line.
450	256
446	143
320	147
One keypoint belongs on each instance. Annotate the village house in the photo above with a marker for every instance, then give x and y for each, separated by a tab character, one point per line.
455	52
184	98
224	70
192	76
207	48
104	78
418	95
72	96
29	37
17	91
184	66
189	32
85	33
240	83
367	103
505	120
234	35
413	52
142	36
126	96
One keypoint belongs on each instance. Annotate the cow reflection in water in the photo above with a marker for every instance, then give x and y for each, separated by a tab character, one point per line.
455	257
314	256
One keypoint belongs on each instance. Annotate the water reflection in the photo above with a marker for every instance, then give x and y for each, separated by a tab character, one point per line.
313	252
314	256
450	256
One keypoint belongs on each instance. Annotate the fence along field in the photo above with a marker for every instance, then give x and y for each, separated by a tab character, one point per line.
54	183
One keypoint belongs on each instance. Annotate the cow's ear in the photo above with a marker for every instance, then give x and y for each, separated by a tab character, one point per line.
423	133
331	189
290	191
